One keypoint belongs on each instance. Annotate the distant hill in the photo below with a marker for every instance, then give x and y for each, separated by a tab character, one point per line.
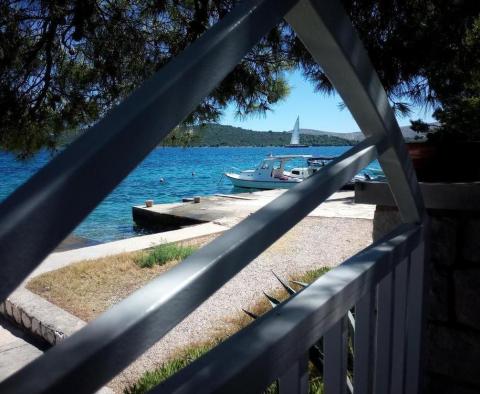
222	135
409	135
213	134
407	132
355	136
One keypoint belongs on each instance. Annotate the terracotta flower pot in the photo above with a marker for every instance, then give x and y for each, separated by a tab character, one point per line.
455	162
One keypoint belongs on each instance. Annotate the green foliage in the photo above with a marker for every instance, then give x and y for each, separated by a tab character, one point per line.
459	119
221	135
315	385
459	116
151	379
63	65
420	48
163	254
419	126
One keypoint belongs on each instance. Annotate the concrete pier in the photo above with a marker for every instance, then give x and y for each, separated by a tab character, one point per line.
230	209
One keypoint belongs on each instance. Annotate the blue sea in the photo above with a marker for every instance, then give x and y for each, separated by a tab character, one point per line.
185	172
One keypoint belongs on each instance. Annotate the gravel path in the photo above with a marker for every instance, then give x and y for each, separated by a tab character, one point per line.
315	242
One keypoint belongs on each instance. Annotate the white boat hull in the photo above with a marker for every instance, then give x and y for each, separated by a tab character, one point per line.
261	184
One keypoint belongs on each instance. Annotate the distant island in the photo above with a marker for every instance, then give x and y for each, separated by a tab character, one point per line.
215	135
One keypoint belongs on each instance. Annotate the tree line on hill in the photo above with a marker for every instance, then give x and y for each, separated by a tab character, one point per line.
223	135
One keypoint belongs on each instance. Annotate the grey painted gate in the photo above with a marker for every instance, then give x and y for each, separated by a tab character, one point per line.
384	283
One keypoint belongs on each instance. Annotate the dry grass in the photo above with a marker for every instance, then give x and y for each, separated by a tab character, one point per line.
88	288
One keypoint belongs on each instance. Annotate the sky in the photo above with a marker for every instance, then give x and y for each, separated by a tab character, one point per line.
316	111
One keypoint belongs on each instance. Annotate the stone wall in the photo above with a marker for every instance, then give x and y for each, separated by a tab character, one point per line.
40	317
30	323
453	323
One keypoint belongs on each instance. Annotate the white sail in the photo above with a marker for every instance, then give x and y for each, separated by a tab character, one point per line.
296	133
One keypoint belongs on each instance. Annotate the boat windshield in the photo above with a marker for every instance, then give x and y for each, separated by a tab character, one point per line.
295	163
277	164
282	163
319	161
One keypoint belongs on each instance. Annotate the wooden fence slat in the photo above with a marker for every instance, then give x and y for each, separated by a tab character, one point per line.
364	342
335	363
415	310
384	335
399	327
295	379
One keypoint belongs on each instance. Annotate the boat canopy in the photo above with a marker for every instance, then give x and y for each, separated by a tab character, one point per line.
288	157
322	158
279	161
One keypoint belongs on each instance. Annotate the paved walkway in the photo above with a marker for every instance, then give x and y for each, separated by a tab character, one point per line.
15	352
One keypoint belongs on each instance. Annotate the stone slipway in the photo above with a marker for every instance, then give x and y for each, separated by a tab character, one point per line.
230	209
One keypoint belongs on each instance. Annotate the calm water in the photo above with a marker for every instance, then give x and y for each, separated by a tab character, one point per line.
186	172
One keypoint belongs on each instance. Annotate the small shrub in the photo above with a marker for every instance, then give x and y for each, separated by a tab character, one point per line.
163	254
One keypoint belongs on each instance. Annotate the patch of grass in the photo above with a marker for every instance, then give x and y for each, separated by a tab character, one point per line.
150	379
163	254
312	275
315	384
89	287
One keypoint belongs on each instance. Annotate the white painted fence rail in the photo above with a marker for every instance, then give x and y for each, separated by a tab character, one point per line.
378	283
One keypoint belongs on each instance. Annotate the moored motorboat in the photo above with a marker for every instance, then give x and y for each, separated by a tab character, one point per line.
271	173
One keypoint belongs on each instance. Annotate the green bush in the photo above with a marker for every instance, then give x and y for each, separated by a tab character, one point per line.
163	254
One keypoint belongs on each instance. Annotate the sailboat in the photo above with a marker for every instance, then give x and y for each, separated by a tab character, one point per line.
295	141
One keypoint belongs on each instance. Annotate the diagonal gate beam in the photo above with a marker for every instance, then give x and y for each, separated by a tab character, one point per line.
42	212
328	34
